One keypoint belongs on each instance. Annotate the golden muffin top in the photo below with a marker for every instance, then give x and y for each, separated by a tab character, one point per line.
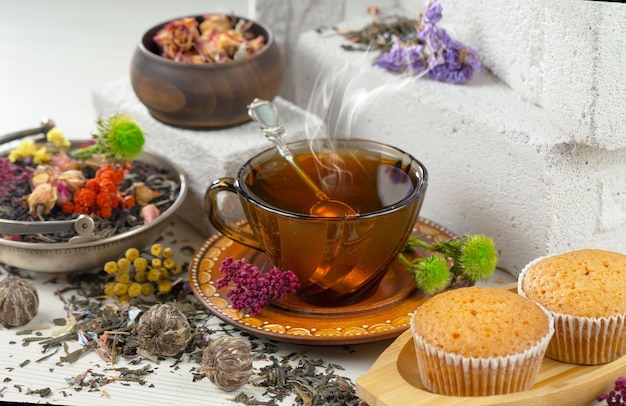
584	283
481	322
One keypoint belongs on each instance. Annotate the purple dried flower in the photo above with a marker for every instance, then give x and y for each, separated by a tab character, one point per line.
457	64
435	38
401	58
82	338
64	193
444	58
415	58
616	397
432	12
253	290
394	60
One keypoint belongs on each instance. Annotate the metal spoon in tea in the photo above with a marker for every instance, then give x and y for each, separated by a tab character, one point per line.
266	115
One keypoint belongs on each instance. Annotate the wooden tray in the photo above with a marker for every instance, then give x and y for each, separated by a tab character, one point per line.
393	380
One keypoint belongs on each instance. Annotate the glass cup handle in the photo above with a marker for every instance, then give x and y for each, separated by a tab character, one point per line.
215	216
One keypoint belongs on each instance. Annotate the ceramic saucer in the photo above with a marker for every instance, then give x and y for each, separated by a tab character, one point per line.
384	315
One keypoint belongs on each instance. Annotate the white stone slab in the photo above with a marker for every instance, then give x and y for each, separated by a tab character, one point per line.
565	56
499	165
288	18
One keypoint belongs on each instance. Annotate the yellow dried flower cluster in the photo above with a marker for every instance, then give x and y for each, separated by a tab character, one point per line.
135	275
28	148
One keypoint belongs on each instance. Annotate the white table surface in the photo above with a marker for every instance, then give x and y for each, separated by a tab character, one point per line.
166	385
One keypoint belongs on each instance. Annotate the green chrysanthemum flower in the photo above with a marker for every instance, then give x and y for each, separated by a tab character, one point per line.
119	137
478	257
473	257
431	274
123	137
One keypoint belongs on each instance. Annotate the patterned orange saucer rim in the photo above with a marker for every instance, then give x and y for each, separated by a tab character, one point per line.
384	315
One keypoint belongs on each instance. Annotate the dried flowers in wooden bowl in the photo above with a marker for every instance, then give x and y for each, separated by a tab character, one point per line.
201	72
70	206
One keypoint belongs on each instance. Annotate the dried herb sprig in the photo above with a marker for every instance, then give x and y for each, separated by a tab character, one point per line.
118	138
472	258
419	47
381	33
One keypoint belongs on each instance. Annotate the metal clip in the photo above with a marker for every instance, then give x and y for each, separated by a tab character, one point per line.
83	225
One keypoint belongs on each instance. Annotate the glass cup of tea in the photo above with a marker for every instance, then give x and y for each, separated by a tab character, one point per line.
340	260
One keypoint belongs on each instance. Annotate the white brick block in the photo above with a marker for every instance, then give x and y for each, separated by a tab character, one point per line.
564	56
287	19
612	201
499	165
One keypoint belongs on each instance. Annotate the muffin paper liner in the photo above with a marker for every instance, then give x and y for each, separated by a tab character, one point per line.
587	340
583	340
452	374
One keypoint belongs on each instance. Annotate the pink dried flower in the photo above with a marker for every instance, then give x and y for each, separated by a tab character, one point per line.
178	38
72	179
217	39
11	175
254	290
63	194
149	213
65	162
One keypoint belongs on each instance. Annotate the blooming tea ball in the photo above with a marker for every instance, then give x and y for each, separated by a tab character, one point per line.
227	362
163	330
19	301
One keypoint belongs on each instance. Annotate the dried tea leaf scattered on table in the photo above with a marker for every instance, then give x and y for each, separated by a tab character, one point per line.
313	382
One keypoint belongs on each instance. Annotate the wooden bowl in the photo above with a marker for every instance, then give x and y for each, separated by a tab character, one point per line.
204	96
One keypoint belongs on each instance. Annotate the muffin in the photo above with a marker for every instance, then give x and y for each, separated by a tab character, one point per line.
585	291
480	341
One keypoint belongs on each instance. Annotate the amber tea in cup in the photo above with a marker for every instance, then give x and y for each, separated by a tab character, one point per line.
339	260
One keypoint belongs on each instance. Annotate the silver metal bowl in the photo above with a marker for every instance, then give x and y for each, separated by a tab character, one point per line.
84	252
